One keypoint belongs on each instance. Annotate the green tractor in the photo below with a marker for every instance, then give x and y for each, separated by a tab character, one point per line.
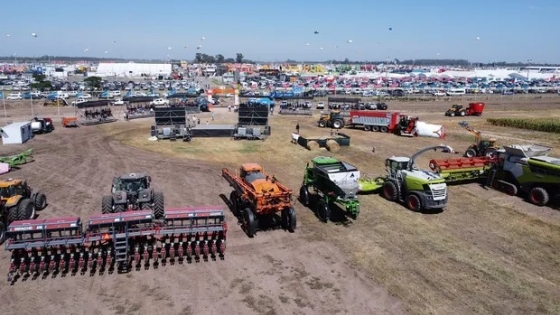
405	183
333	181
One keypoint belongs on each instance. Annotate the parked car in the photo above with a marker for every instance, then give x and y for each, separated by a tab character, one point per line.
78	101
159	101
118	102
14	97
320	105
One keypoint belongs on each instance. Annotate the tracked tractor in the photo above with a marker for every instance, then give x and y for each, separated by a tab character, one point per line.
133	191
332	119
18	202
333	182
481	147
405	183
257	197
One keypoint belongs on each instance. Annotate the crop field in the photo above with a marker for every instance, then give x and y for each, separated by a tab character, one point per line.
486	253
536	124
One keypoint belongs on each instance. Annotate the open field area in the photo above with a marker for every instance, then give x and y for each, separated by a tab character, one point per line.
486	253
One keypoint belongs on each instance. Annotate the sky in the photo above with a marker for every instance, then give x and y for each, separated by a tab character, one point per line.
476	30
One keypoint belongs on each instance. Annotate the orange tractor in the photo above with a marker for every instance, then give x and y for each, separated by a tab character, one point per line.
257	198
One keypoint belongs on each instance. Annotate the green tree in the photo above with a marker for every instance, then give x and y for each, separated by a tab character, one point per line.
93	82
220	58
41	83
239	58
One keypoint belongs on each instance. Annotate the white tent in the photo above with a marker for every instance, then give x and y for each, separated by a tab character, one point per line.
132	69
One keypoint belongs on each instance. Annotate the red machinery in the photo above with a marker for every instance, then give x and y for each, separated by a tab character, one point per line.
460	163
383	121
115	241
474	109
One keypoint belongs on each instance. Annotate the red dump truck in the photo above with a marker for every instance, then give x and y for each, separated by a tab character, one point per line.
383	121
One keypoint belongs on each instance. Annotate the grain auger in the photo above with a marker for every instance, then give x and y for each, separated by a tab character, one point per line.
115	241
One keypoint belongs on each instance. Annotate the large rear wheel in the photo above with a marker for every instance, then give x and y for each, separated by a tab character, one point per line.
40	201
25	210
323	211
250	222
538	196
390	191
159	205
107	204
2	232
304	196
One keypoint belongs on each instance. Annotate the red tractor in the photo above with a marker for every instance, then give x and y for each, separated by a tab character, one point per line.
474	109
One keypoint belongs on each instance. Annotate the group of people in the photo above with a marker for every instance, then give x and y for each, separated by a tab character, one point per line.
103	113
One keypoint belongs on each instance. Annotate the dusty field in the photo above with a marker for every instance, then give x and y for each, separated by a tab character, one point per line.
487	253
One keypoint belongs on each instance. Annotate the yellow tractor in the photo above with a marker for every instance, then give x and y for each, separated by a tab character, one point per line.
18	202
480	147
333	119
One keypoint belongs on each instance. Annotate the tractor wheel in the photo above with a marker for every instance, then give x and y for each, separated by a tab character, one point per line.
452	114
119	208
145	206
338	124
462	113
159	204
40	201
470	153
250	223
491	153
390	191
304	196
289	219
538	196
233	199
12	214
322	124
2	232
323	211
413	202
25	210
107	204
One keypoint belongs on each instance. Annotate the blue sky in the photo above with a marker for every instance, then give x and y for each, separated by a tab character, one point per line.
512	30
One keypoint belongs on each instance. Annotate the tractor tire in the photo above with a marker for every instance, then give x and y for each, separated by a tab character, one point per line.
323	211
390	191
40	201
145	206
304	196
462	114
452	114
338	124
289	222
470	153
234	200
107	204
538	196
25	210
12	214
159	205
322	124
2	232
413	203
250	222
119	208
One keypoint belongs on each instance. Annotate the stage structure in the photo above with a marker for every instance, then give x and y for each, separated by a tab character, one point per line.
252	122
170	123
94	113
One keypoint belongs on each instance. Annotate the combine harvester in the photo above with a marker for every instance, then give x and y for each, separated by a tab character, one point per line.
9	162
405	183
114	241
382	121
525	169
258	197
333	182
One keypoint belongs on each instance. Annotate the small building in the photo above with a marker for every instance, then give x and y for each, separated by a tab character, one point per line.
16	133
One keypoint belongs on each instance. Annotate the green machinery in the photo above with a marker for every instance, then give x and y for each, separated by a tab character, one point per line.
525	169
333	181
18	159
405	183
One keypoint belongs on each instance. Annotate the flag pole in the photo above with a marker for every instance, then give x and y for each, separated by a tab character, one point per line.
4	104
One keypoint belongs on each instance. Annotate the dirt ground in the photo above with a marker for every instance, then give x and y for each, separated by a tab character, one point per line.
486	253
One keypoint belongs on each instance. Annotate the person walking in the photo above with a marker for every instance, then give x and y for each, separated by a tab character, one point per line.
297	128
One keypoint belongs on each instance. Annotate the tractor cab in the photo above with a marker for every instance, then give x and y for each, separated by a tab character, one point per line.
132	182
332	115
11	188
456	108
396	164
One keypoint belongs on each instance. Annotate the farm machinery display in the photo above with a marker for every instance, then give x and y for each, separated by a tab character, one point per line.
480	147
381	121
515	169
405	183
258	197
114	241
334	182
331	143
18	201
474	109
42	125
11	161
133	191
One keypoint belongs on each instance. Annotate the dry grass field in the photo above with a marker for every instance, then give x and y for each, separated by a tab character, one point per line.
486	253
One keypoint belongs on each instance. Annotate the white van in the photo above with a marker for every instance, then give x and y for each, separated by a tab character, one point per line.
456	92
14	97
